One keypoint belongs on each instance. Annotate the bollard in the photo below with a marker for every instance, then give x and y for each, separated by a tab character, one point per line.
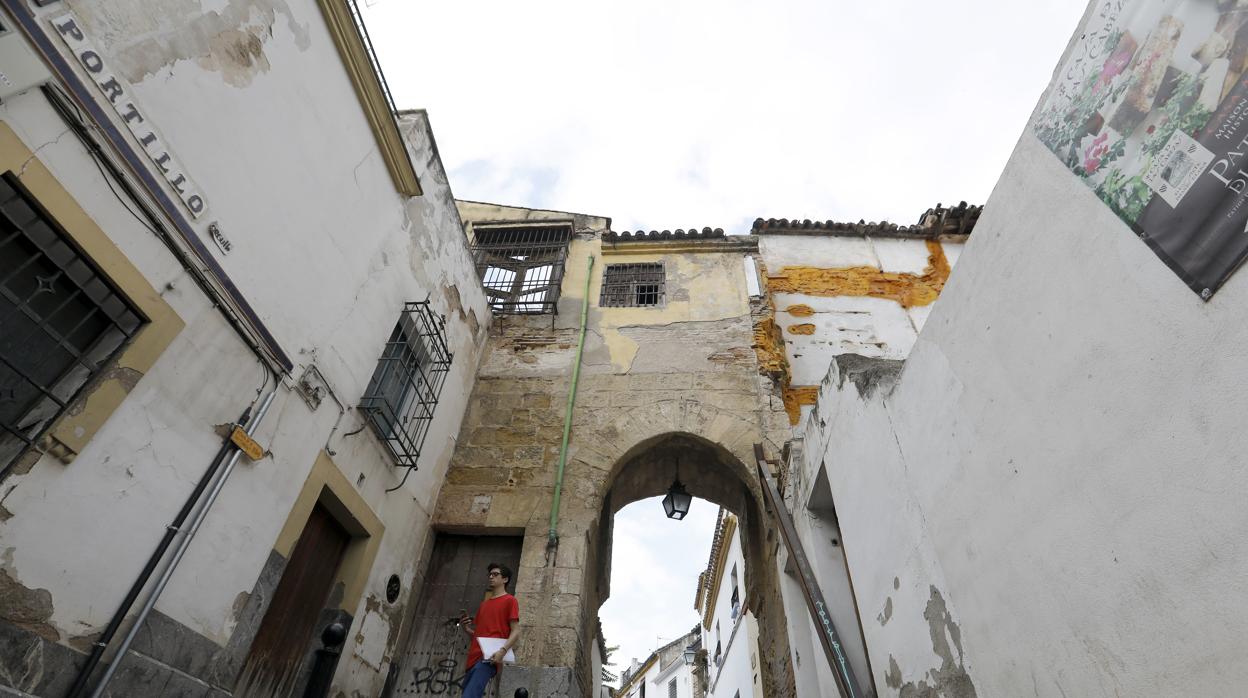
326	661
522	693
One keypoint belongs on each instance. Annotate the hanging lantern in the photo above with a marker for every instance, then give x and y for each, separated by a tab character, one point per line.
677	501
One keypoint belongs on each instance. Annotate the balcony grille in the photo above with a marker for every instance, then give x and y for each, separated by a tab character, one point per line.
61	322
521	267
403	392
633	285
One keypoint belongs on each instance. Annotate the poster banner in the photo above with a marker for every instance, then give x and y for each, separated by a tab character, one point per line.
1150	110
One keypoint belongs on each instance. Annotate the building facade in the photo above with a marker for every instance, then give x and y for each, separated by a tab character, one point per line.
729	631
1036	499
214	218
261	374
667	673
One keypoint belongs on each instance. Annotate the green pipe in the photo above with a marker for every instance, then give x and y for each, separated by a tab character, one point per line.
567	417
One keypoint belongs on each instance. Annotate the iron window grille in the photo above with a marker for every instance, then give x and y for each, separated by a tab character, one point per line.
403	392
521	268
633	285
61	321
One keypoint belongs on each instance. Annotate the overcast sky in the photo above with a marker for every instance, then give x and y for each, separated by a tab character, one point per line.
677	114
655	564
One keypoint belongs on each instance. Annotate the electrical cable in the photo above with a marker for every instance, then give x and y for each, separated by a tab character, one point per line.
201	276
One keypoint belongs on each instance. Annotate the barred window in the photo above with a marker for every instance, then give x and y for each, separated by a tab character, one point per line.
521	267
405	386
671	689
632	285
61	321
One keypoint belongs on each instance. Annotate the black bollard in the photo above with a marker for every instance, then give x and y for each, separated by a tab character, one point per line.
522	693
326	661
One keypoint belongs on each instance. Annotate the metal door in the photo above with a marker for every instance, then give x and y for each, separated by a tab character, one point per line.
285	633
457	580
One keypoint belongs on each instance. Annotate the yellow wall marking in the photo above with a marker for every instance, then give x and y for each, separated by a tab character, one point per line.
907	289
797	395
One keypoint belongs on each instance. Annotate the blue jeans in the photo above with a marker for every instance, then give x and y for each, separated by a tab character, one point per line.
477	678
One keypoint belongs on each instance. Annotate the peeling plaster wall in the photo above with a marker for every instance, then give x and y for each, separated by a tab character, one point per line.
647	374
892	562
1058	476
836	294
327	252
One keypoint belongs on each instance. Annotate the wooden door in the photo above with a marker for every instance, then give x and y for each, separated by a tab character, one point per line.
433	662
289	627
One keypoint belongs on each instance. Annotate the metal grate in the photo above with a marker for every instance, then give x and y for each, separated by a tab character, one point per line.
632	285
521	267
61	321
404	389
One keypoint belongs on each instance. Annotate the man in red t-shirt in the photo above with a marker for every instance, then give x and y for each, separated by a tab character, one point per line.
497	617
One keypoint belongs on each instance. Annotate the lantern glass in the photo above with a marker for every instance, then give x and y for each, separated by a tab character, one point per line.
689	655
676	503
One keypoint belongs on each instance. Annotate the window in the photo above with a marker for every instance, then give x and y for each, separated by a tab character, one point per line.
521	267
736	593
404	389
61	322
671	689
632	285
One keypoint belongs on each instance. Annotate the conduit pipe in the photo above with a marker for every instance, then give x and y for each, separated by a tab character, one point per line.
183	544
553	541
171	531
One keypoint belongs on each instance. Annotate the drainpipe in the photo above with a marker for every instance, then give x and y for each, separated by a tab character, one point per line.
553	541
171	531
183	544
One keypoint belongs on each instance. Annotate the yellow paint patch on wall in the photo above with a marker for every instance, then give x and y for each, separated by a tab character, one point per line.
797	395
622	349
800	310
804	328
907	289
768	346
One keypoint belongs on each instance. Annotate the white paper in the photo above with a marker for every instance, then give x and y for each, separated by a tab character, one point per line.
490	645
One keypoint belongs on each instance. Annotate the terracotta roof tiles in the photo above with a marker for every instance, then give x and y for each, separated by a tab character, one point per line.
959	220
679	234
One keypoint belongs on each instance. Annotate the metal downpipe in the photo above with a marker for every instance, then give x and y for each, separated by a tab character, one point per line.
553	541
183	544
171	531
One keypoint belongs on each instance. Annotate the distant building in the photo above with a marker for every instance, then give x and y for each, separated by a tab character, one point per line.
667	673
728	629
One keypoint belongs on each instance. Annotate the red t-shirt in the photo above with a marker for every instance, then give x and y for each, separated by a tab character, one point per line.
493	620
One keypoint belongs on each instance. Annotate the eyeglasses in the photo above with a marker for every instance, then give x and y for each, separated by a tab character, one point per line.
495	573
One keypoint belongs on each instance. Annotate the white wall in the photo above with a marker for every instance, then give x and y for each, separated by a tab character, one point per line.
738	634
327	252
1048	497
873	327
658	681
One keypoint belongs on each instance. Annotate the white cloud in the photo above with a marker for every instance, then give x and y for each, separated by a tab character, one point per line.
667	115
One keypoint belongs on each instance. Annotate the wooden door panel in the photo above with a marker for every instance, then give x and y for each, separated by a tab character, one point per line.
289	624
433	661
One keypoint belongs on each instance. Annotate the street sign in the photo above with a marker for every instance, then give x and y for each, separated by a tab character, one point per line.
246	444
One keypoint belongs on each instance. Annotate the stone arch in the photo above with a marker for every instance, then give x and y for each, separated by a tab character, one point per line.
632	455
